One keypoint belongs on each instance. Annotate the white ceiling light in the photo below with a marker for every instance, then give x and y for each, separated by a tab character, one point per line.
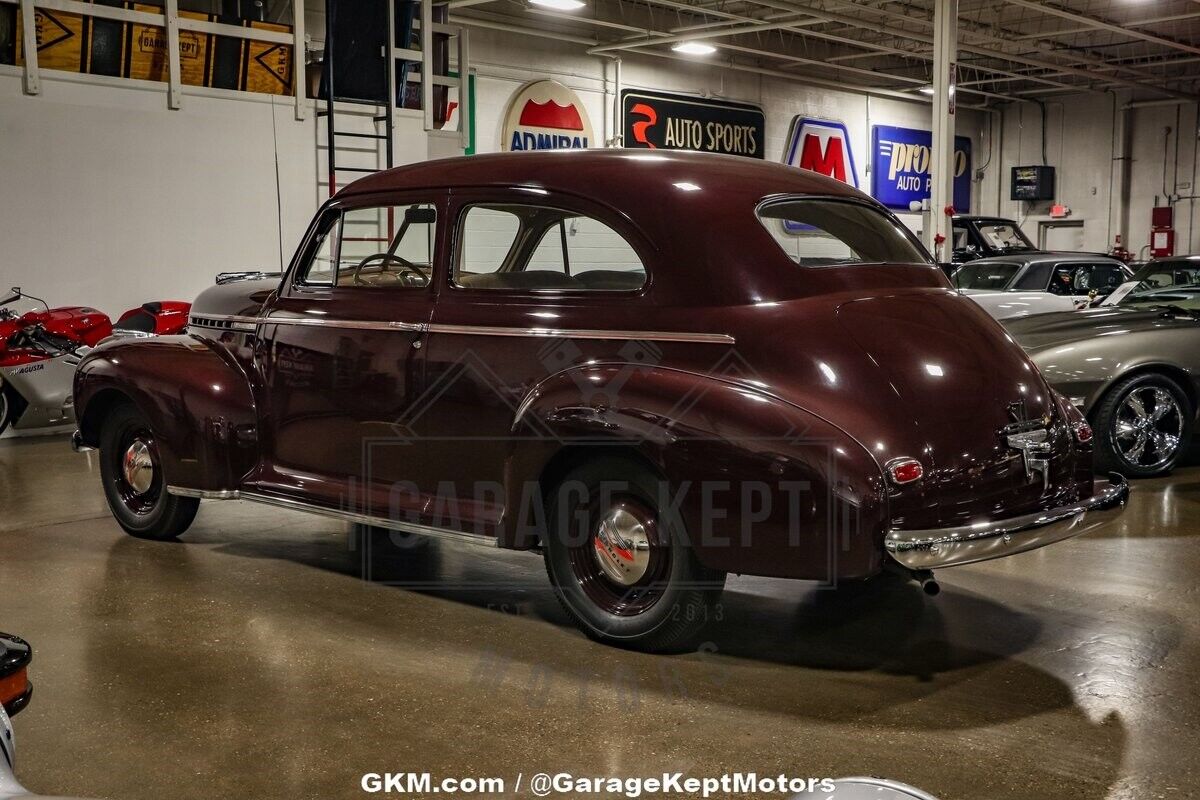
559	5
694	48
926	90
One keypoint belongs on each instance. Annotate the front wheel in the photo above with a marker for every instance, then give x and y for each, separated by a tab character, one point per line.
621	565
134	484
6	407
1143	426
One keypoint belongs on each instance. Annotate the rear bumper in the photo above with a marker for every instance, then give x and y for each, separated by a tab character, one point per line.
949	547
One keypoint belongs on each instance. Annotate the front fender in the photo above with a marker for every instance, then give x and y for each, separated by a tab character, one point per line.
195	397
764	487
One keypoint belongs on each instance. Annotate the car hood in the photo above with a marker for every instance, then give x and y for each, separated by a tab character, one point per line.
1050	330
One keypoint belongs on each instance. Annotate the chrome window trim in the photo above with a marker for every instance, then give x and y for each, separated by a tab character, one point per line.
243	323
448	534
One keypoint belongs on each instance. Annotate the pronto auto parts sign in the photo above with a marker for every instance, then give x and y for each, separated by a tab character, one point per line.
664	121
545	115
900	164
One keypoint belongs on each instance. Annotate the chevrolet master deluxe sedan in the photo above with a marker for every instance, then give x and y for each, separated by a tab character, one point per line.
652	368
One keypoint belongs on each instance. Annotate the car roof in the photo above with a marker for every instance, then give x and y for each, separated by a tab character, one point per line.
1042	257
614	176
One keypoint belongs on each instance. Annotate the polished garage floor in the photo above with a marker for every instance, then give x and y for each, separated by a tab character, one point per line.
252	660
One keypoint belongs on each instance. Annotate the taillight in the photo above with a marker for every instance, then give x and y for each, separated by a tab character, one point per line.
1083	432
15	688
904	470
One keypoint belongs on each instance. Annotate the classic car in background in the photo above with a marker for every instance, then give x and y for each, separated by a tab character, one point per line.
1039	283
1133	366
785	386
39	351
983	237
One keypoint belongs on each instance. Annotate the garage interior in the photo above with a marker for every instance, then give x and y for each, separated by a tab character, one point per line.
264	655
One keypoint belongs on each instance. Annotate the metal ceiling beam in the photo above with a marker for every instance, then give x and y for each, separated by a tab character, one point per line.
1085	28
1102	24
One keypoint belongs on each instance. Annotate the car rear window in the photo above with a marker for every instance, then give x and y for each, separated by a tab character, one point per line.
822	232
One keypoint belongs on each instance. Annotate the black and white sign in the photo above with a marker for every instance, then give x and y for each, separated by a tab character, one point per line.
662	121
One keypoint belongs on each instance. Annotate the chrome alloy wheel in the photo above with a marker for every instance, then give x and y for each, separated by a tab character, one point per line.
1148	427
622	546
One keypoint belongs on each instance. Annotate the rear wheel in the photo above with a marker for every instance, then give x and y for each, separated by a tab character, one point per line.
6	407
621	566
134	484
1144	425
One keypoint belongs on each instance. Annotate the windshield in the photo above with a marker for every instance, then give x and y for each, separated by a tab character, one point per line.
986	275
820	232
1165	285
1004	236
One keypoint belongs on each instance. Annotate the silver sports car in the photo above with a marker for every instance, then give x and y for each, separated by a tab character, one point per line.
1132	365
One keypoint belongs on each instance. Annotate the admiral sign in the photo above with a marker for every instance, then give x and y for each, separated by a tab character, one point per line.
658	120
900	167
545	115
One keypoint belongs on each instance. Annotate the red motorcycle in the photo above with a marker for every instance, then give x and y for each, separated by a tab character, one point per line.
39	351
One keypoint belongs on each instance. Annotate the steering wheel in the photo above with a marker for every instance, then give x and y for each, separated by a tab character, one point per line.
406	267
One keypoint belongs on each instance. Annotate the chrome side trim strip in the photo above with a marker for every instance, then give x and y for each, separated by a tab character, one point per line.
566	333
966	544
446	534
366	325
241	323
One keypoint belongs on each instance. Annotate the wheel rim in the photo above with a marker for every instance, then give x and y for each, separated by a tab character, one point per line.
621	557
3	408
139	478
1148	427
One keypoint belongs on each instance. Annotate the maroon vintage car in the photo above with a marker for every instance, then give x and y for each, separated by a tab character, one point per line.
657	368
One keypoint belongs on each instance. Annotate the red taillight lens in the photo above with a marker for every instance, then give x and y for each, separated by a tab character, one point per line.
1083	432
13	689
905	470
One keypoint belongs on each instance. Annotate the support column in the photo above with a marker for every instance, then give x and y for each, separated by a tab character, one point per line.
941	168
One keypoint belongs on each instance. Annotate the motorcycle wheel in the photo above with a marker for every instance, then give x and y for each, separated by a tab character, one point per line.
5	407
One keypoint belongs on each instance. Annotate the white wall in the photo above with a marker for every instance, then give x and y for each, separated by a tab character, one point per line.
1082	140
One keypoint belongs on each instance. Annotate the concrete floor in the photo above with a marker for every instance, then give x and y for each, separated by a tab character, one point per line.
253	660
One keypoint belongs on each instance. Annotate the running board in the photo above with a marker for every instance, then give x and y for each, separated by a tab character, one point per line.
446	534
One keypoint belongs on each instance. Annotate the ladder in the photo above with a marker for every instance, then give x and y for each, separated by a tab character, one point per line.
423	50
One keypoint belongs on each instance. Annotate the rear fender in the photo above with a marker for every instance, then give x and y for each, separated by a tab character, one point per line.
196	399
763	486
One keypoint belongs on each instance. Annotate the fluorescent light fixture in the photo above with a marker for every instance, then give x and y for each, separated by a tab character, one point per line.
694	48
559	5
926	90
685	186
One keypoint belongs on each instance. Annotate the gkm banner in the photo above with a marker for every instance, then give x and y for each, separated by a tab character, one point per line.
823	146
663	121
900	167
545	115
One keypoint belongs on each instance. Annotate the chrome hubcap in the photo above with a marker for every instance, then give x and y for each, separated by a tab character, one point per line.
622	547
1148	427
138	467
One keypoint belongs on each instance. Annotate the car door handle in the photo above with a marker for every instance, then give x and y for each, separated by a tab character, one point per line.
416	343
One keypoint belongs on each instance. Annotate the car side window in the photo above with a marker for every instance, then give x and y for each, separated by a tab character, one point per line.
528	247
387	246
1034	279
1104	278
1062	282
321	269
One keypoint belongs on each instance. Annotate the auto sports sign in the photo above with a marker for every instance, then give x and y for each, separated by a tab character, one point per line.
545	115
900	167
663	121
823	146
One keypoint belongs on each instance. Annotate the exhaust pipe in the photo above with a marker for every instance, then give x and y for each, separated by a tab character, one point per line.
929	584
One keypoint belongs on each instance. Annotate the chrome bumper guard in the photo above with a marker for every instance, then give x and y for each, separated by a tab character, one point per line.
77	443
966	544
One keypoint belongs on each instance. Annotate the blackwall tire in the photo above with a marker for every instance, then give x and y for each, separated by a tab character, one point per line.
5	407
1149	411
654	595
134	483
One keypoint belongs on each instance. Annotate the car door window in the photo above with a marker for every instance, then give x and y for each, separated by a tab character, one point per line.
1062	282
1104	278
387	246
321	269
1034	278
516	246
